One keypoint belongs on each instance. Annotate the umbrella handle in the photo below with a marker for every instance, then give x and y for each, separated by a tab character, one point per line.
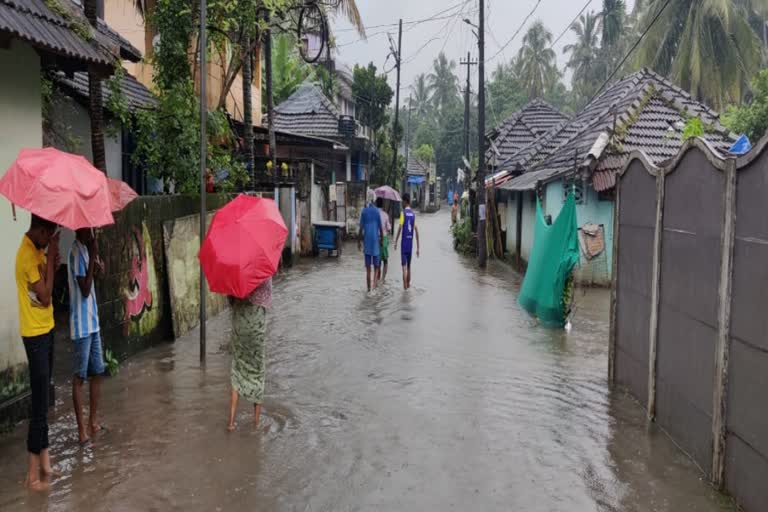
13	210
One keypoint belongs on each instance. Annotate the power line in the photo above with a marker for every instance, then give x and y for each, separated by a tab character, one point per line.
504	47
567	27
412	22
634	47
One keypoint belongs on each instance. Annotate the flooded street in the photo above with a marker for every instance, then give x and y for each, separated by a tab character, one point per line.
446	397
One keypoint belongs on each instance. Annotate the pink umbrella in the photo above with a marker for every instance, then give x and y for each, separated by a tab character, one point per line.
60	187
387	192
120	194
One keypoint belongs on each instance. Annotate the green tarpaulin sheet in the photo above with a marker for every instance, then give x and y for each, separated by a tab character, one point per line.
554	254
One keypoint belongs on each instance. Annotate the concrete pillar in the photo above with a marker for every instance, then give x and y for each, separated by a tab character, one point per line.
349	165
655	288
614	288
722	350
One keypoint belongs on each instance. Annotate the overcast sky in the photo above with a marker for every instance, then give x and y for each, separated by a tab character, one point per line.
422	42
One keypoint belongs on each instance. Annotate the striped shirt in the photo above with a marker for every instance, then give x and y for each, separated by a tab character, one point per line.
83	312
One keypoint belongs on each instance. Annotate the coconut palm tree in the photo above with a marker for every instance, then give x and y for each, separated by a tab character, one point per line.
706	46
537	60
422	97
443	82
584	56
613	21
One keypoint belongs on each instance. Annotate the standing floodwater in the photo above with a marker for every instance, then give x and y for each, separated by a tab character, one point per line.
445	397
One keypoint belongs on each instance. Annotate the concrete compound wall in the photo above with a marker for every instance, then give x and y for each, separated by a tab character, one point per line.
133	295
688	318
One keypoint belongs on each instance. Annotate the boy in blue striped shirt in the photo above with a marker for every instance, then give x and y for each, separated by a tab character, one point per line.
84	327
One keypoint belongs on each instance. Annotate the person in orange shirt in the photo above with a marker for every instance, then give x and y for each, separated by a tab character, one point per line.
34	287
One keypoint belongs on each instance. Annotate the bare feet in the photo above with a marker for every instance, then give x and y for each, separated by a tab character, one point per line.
36	485
256	414
231	427
96	429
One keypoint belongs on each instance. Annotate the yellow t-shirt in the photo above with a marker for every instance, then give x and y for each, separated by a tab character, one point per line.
34	319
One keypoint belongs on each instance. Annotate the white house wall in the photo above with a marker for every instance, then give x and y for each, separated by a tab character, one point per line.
21	102
529	217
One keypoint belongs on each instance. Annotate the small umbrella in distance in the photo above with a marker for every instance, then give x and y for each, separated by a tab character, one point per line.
387	192
60	187
243	246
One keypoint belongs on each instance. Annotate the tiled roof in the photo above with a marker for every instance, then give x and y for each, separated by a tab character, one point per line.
308	112
136	95
416	167
127	50
642	111
33	22
523	128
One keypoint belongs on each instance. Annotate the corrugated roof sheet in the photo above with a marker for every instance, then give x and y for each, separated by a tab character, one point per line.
136	95
308	112
33	22
646	111
416	167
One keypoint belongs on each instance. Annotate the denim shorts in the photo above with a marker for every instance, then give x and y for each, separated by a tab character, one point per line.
88	358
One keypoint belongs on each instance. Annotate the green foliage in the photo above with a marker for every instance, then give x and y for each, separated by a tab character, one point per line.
113	365
537	64
694	127
462	235
77	25
288	69
168	140
752	119
116	103
373	94
443	83
567	299
707	47
425	154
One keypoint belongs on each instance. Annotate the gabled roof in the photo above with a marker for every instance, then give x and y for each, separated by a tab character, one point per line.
523	128
136	94
416	167
308	112
32	21
641	111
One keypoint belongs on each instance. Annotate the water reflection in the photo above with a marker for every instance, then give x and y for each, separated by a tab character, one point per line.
444	397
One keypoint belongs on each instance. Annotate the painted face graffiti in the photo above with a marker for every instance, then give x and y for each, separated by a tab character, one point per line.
138	296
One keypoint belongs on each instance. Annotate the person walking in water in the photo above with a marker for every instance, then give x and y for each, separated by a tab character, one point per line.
248	348
407	228
35	271
384	250
371	234
82	265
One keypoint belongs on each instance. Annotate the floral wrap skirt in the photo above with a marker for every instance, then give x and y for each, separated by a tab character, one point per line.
249	329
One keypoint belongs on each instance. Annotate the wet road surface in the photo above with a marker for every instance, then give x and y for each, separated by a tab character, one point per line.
445	397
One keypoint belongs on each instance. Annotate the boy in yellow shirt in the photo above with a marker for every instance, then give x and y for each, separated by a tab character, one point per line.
34	288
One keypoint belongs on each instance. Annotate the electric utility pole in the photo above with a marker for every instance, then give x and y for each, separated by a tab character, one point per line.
482	247
397	52
203	165
467	92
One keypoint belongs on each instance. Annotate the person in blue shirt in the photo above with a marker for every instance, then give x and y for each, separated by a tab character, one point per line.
407	228
84	326
371	234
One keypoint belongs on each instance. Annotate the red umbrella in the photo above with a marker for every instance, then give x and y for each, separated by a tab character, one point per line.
58	186
120	194
243	246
